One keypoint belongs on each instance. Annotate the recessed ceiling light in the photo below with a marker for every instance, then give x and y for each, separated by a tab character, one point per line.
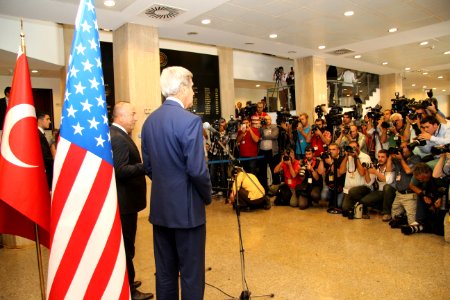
273	36
413	84
440	77
425	73
423	43
392	29
357	56
206	21
321	47
434	88
407	69
444	90
385	63
424	87
109	3
447	52
349	13
34	71
258	85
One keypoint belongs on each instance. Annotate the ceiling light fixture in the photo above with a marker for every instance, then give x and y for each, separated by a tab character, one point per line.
423	43
447	52
424	86
357	56
391	30
34	71
349	13
440	77
444	90
273	36
321	47
206	21
413	84
385	63
258	85
425	73
407	69
109	3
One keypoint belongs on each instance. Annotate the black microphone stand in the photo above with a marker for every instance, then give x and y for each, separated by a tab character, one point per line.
245	294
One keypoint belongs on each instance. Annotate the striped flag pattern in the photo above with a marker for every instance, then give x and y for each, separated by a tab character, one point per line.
87	257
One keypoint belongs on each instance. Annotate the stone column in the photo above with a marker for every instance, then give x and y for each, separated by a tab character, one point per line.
310	84
226	76
136	71
389	85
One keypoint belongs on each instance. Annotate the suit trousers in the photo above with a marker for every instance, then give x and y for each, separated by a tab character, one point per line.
179	250
129	227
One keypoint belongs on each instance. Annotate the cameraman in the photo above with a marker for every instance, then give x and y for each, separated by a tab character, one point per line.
355	173
251	194
329	170
352	134
398	132
405	199
434	133
259	115
382	191
310	189
320	138
248	138
303	136
268	147
290	167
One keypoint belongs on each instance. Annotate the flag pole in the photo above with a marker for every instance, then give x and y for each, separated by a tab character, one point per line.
36	229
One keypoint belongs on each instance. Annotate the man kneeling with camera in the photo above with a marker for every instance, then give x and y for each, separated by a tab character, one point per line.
251	194
311	187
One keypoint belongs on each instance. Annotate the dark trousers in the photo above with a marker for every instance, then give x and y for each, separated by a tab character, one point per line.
244	201
266	160
354	195
179	251
129	227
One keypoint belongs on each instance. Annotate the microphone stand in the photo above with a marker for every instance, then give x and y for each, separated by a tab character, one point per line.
245	294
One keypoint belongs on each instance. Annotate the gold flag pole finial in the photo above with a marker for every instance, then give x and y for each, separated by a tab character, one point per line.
22	37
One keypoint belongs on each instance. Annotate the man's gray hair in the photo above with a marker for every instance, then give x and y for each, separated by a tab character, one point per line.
172	78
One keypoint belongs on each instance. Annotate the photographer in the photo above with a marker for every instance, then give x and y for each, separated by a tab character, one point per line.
290	167
405	200
248	138
430	192
329	170
258	116
302	136
251	194
320	138
434	133
382	191
442	168
311	187
398	132
268	147
355	173
218	171
375	128
352	134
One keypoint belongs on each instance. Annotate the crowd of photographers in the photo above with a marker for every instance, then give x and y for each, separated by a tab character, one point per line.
395	161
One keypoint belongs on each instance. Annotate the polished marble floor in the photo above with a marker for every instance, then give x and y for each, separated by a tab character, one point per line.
290	253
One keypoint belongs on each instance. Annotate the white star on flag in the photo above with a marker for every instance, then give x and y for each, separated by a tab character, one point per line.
87	65
71	111
100	101
78	129
94	83
94	123
79	88
73	72
86	105
80	48
86	26
100	140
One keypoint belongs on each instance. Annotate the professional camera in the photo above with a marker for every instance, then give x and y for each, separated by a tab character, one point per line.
437	150
346	130
318	110
415	143
314	127
335	115
249	110
216	125
386	125
400	105
375	113
263	121
278	73
349	149
325	155
417	104
294	121
302	171
286	157
232	126
369	165
394	150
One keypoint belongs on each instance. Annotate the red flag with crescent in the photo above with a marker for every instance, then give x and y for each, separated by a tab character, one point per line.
24	193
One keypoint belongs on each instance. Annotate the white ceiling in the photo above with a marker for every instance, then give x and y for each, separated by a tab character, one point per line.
301	25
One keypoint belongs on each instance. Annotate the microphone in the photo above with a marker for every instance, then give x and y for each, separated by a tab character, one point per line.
208	126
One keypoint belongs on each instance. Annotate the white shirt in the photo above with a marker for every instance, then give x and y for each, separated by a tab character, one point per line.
352	177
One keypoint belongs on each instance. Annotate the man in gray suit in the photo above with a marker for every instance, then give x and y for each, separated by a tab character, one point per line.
172	149
131	185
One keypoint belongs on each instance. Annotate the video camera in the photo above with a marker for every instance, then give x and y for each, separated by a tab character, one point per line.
232	127
278	73
282	116
249	110
375	113
415	143
318	110
438	150
400	105
335	115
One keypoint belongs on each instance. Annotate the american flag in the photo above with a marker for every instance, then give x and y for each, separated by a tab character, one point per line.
87	258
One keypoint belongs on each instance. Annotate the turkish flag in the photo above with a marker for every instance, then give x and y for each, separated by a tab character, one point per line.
24	193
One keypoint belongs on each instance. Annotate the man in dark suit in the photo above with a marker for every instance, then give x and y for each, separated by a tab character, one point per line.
3	106
131	185
172	150
43	120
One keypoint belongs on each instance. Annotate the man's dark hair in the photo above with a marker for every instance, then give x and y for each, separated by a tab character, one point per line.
384	151
422	168
348	114
41	114
7	90
430	119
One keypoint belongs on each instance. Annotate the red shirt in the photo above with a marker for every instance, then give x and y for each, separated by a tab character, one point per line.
256	119
292	182
247	147
317	143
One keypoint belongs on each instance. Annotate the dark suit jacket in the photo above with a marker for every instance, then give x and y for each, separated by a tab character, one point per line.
172	149
2	112
130	173
48	158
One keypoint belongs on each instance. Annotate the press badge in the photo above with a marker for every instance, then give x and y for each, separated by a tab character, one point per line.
331	178
310	180
398	177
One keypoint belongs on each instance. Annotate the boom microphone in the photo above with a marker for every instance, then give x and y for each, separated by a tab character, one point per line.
208	126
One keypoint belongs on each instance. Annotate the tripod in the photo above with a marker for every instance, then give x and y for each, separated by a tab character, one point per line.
245	294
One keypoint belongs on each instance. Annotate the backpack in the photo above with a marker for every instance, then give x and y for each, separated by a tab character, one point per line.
283	195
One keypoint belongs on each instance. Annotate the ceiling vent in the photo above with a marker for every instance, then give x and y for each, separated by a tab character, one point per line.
341	51
163	12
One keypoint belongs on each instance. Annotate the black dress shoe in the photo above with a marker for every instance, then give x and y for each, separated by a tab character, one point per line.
137	295
135	285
